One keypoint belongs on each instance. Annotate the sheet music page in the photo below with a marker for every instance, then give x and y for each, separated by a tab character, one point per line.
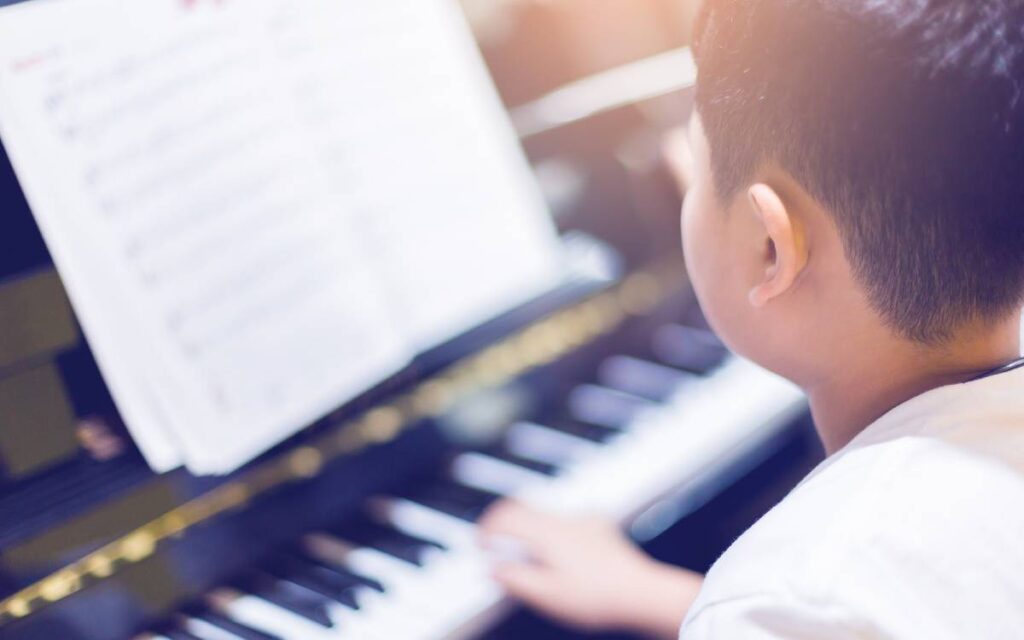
175	185
261	209
396	90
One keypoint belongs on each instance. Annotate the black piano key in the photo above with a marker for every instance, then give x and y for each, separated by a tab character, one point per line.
244	632
465	503
370	583
176	633
316	578
592	432
364	532
301	602
687	348
501	453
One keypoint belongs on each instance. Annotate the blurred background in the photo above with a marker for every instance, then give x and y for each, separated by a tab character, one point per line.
592	85
536	46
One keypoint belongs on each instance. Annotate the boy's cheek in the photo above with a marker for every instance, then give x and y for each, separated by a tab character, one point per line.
697	249
706	251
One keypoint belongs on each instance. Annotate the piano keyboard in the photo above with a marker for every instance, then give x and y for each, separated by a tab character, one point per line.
408	567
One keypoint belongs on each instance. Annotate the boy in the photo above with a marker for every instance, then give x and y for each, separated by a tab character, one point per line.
855	222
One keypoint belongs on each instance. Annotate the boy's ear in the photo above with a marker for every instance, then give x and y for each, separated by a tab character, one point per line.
785	248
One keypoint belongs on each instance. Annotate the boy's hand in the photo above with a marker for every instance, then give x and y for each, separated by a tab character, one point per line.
586	573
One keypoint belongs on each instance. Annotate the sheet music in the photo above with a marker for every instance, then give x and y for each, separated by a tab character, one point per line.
260	209
487	218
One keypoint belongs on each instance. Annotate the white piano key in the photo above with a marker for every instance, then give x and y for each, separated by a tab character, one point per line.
261	614
205	630
598	405
394	574
452	586
642	377
407	601
537	442
463	600
481	471
362	625
463	557
353	621
420	610
418	520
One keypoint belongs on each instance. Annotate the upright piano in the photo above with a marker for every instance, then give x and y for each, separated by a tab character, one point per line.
606	395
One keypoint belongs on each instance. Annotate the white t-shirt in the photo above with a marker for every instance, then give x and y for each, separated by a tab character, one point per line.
914	530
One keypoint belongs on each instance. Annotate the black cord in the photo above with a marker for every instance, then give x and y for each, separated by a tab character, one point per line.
1006	368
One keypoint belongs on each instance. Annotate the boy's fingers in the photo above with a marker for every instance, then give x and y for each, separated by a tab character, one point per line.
512	519
530	584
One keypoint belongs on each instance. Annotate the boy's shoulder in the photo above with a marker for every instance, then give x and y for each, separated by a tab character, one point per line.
922	513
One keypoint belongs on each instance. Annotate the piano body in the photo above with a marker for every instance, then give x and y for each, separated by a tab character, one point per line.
363	528
606	395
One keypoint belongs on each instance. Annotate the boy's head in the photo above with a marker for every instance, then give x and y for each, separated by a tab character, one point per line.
859	172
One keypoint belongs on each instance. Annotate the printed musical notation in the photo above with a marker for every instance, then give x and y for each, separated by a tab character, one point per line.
260	211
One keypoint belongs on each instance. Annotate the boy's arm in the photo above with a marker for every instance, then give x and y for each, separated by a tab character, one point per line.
586	573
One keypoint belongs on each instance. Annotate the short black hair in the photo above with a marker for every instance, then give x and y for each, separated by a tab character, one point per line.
904	118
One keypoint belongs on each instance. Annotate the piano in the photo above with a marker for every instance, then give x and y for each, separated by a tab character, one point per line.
608	395
363	528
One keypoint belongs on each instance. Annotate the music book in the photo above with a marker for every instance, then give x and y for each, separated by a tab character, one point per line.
262	208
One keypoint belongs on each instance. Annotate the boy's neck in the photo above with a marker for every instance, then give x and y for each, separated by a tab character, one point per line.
861	390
